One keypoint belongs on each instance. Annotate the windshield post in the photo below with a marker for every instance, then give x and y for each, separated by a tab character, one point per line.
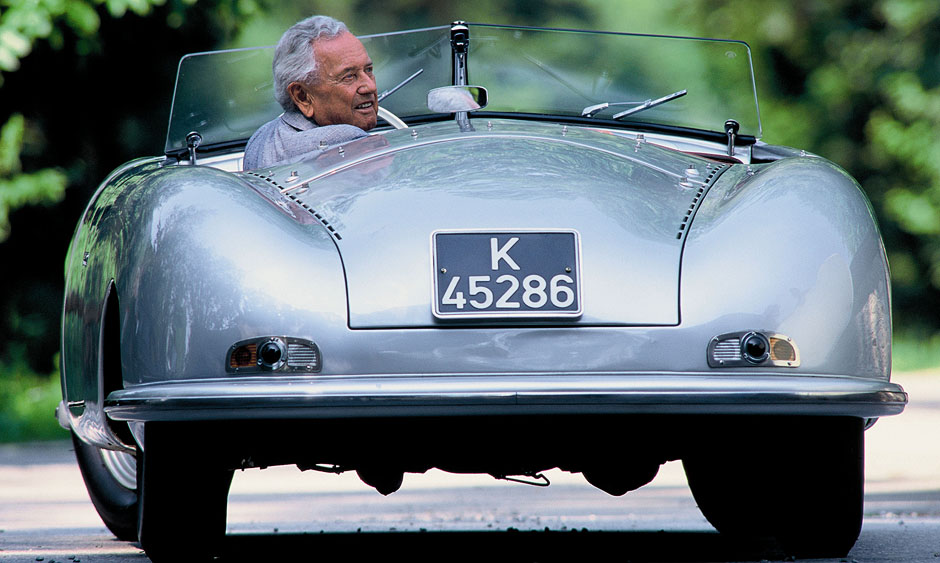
460	46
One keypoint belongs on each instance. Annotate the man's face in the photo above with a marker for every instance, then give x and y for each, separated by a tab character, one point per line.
344	90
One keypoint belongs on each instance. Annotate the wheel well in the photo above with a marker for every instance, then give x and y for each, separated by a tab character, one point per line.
112	378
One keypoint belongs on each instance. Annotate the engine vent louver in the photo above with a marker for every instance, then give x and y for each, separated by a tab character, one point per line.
319	217
715	171
301	188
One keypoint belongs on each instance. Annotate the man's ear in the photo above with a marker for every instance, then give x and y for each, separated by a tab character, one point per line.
301	98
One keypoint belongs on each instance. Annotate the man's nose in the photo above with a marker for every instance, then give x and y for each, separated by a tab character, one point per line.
367	85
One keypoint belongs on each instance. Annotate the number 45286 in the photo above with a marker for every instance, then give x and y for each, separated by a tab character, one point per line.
536	292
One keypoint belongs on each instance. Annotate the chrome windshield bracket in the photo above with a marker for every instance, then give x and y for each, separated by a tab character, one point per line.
193	140
731	131
460	45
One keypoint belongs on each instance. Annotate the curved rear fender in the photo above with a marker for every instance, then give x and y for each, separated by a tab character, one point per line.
91	264
198	260
792	247
208	262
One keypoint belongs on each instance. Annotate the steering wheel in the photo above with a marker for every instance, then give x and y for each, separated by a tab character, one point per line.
392	118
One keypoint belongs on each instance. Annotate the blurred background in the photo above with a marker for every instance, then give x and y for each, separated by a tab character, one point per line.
86	85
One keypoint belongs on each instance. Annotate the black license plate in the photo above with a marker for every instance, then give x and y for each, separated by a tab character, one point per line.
506	274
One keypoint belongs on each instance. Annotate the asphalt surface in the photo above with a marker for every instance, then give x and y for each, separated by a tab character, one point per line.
282	514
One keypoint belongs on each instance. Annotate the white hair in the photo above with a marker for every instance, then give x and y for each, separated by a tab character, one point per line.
294	58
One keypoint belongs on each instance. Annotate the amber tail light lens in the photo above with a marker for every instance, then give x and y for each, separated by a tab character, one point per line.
244	357
782	350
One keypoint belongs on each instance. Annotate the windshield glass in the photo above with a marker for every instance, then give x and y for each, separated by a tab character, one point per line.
226	95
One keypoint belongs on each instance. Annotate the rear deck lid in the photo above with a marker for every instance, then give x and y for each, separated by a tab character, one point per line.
620	209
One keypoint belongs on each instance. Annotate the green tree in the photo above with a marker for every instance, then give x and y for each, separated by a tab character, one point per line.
84	86
857	82
22	24
16	187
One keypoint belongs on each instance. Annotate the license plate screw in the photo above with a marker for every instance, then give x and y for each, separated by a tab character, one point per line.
443	270
568	269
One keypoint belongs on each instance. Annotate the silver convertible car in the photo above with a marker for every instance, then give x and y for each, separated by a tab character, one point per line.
559	249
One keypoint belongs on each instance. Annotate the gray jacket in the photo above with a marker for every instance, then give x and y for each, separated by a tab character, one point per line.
291	135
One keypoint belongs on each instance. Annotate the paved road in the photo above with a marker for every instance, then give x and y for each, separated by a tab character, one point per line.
281	514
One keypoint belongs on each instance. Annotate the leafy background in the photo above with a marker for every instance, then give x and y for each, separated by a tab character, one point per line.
85	85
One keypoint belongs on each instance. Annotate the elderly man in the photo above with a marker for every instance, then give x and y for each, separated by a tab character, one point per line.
323	80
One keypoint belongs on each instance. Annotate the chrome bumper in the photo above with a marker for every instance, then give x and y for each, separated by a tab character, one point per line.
312	397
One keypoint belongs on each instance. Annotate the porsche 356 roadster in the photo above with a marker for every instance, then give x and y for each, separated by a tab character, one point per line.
571	231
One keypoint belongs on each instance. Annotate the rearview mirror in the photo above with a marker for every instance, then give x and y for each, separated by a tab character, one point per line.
452	99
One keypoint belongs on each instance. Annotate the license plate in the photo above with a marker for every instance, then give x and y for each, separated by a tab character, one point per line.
484	274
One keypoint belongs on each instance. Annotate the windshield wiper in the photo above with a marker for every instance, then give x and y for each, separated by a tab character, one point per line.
651	104
591	111
388	93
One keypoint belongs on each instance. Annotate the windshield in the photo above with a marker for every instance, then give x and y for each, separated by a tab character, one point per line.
595	76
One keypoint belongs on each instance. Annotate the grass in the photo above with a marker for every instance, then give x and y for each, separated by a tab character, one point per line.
915	351
27	404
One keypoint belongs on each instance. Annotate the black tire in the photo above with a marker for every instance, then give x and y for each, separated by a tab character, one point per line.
115	503
183	497
800	481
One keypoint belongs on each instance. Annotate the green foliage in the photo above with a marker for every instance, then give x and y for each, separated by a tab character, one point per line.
914	350
22	23
17	189
368	16
27	402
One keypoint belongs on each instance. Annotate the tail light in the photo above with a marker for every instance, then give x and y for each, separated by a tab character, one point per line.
278	354
752	348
